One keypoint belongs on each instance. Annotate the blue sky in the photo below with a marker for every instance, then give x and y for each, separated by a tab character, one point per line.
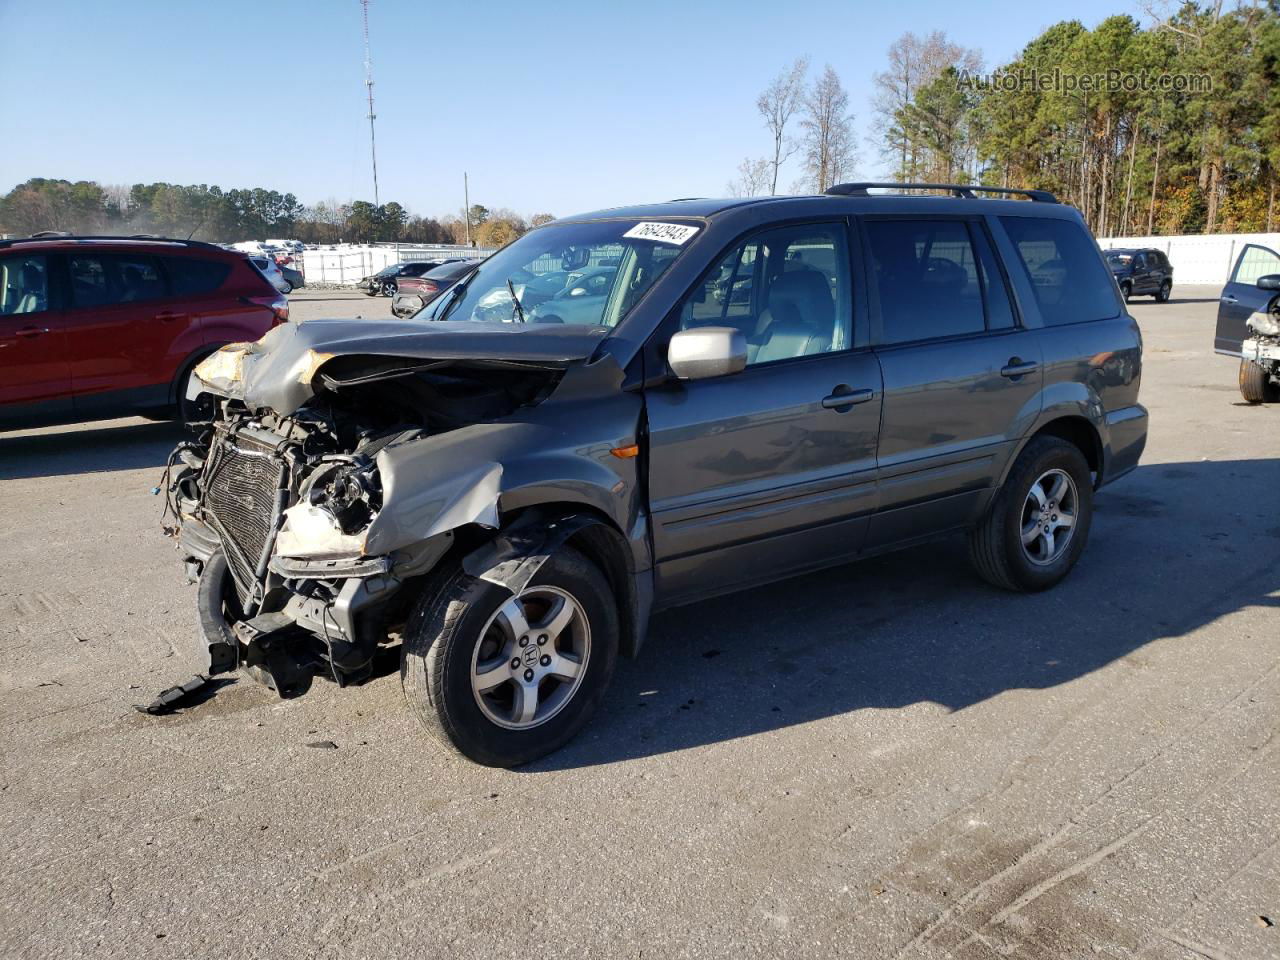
555	107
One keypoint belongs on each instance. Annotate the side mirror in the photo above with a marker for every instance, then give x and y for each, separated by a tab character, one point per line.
707	352
1269	282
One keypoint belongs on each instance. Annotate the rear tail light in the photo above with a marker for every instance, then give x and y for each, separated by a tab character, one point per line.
430	286
278	305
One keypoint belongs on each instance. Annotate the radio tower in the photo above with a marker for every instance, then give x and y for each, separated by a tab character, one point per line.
368	83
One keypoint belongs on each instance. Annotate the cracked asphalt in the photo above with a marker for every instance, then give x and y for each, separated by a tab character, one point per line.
886	760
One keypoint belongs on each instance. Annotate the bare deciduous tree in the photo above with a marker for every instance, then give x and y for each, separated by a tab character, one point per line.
753	178
913	63
829	151
779	102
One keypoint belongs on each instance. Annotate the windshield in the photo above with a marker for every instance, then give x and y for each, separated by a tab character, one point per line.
573	273
1119	259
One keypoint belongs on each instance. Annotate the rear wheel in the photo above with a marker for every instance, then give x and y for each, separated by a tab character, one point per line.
1256	385
505	679
1162	295
287	288
1038	524
1126	289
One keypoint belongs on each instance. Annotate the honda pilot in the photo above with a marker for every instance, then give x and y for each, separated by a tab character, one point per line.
760	388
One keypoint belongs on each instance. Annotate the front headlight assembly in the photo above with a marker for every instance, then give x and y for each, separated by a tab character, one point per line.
336	504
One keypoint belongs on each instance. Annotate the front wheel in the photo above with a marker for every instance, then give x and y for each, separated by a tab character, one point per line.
1038	523
1126	290
389	288
505	679
1256	385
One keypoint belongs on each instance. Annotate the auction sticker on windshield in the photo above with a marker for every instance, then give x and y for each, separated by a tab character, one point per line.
676	233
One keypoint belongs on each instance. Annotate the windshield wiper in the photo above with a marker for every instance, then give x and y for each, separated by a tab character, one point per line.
516	300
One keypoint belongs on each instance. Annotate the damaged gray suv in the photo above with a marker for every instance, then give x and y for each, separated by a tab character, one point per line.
640	408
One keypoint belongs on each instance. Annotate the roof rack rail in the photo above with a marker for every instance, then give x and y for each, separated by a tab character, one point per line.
54	236
966	190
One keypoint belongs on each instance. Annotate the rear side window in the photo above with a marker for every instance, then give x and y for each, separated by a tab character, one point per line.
24	285
928	279
1067	277
1255	262
89	286
190	277
99	281
138	279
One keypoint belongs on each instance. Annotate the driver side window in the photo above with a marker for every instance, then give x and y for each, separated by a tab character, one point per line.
787	290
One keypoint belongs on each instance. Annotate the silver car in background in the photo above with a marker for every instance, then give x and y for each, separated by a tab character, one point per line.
267	267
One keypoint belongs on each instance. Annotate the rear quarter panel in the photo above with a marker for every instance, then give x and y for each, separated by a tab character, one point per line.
1094	370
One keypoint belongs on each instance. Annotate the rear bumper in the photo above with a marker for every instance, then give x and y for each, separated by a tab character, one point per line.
1126	439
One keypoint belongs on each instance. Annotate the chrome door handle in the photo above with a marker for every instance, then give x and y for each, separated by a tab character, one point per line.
1228	298
31	331
843	401
1017	368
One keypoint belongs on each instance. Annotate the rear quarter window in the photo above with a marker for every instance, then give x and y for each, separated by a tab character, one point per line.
1061	261
189	276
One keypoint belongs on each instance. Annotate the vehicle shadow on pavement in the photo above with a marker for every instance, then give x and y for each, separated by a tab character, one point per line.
66	451
1173	547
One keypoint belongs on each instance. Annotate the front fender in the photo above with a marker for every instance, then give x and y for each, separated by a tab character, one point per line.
476	474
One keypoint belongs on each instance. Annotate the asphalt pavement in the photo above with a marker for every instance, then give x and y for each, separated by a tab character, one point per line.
886	760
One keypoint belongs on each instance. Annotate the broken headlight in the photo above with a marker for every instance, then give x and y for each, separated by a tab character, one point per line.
337	502
1265	323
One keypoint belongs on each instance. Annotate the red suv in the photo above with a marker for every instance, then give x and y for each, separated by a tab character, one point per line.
97	327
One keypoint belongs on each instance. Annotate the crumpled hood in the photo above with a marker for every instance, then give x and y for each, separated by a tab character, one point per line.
277	371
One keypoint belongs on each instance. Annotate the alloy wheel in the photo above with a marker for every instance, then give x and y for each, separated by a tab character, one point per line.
531	657
1049	516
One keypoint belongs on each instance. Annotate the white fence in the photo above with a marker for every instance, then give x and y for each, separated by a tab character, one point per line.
347	264
1206	258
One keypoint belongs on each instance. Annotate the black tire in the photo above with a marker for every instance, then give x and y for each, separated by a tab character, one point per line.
436	661
1256	385
1162	295
185	411
288	288
389	288
1126	290
995	545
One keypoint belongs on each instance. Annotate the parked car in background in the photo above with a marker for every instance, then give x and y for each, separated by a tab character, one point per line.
1141	273
386	281
579	300
292	277
414	293
514	498
1249	322
273	273
96	327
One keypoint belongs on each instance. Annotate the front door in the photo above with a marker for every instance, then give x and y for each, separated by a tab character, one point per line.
1241	296
35	379
961	378
768	471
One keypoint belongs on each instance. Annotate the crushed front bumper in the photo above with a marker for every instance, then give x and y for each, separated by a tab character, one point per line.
1260	350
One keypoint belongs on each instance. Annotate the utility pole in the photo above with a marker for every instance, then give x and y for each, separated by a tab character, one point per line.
466	206
368	83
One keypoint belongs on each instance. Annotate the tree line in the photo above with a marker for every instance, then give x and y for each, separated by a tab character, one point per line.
205	212
1169	128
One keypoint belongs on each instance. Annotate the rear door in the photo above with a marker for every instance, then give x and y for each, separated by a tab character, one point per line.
35	377
962	377
122	328
1241	296
772	470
